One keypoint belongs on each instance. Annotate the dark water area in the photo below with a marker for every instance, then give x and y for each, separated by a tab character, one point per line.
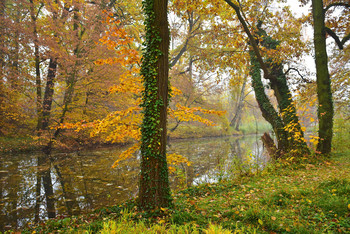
34	187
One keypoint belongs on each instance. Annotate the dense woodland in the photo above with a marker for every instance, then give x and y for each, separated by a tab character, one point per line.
80	73
76	65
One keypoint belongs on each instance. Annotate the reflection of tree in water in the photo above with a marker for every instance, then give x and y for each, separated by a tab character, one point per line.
34	187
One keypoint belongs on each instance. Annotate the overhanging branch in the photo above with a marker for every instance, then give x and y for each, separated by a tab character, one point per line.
250	36
335	37
301	76
335	5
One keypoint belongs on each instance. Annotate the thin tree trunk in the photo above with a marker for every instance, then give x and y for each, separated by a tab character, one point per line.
238	111
37	64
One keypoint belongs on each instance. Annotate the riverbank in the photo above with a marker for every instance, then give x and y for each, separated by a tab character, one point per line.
29	144
311	196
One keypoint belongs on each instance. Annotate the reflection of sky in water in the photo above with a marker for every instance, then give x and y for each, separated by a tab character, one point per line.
93	183
219	158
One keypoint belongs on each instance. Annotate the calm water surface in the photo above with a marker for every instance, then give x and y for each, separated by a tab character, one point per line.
33	188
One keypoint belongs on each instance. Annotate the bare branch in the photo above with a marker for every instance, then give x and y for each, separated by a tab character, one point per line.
336	4
335	37
250	36
301	76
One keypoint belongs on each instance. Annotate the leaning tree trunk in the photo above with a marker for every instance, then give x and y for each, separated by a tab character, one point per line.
272	72
267	109
154	191
287	110
324	93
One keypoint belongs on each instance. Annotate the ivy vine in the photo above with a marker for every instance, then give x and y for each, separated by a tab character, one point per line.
151	105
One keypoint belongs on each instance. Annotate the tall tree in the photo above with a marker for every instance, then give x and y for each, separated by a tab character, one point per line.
285	122
154	190
324	93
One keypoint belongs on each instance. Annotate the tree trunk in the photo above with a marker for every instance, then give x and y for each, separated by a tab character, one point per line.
37	64
270	145
287	141
288	111
267	110
48	96
324	93
154	191
238	111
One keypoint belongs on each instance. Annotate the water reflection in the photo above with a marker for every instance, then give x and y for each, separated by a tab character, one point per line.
35	186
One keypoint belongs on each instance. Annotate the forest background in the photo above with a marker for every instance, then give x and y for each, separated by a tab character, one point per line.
70	69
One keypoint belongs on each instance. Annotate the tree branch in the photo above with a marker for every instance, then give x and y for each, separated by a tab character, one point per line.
335	37
301	76
335	5
181	52
250	36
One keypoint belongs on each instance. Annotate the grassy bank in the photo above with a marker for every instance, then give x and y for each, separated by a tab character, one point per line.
17	144
308	197
69	143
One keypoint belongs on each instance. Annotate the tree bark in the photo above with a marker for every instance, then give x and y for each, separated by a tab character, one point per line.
267	110
238	110
270	145
48	96
324	93
37	63
154	191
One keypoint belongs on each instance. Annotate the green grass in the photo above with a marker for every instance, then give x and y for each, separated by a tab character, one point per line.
310	197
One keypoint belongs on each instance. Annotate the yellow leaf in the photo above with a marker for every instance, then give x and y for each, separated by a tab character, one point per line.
260	221
161	221
349	206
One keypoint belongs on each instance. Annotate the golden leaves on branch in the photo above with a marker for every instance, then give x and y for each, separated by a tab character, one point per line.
123	125
176	159
126	154
185	114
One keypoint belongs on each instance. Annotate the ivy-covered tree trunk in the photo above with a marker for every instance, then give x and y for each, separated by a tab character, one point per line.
286	116
267	109
154	191
324	93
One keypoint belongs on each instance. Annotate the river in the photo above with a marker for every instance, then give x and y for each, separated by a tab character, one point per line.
33	188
